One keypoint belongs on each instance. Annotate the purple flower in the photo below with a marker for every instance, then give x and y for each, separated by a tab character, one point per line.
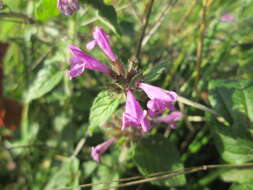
102	40
98	150
68	6
81	60
227	18
134	115
170	119
160	99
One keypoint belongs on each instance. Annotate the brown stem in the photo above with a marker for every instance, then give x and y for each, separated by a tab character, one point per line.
144	27
18	15
3	49
200	43
162	175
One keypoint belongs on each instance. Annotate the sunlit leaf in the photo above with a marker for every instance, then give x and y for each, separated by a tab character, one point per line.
46	79
104	105
46	9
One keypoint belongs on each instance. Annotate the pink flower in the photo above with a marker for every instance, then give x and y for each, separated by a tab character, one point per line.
160	99
170	119
227	18
98	150
68	6
134	115
102	40
81	60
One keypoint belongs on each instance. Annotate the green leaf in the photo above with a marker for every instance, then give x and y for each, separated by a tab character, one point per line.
106	13
233	100
46	9
233	148
89	168
157	154
47	78
154	73
238	175
65	176
104	105
244	186
109	171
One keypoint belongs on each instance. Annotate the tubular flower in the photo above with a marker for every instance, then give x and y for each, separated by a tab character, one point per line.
170	119
98	150
227	18
160	99
67	6
134	115
81	60
102	40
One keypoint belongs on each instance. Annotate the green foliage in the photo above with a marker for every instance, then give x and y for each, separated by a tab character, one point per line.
233	100
154	73
58	112
233	148
109	173
157	154
104	105
244	186
46	9
66	175
47	78
238	175
106	13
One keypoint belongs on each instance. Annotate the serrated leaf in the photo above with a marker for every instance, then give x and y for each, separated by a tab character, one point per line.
244	186
47	78
46	9
157	154
154	73
104	105
106	13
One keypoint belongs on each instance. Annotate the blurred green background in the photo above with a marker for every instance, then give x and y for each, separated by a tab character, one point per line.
37	151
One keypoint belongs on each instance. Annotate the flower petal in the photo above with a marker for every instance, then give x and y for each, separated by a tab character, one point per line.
170	119
90	45
128	120
145	123
103	42
97	151
76	70
91	63
154	92
134	115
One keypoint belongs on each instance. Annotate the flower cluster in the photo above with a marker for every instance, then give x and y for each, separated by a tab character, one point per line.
160	100
68	6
